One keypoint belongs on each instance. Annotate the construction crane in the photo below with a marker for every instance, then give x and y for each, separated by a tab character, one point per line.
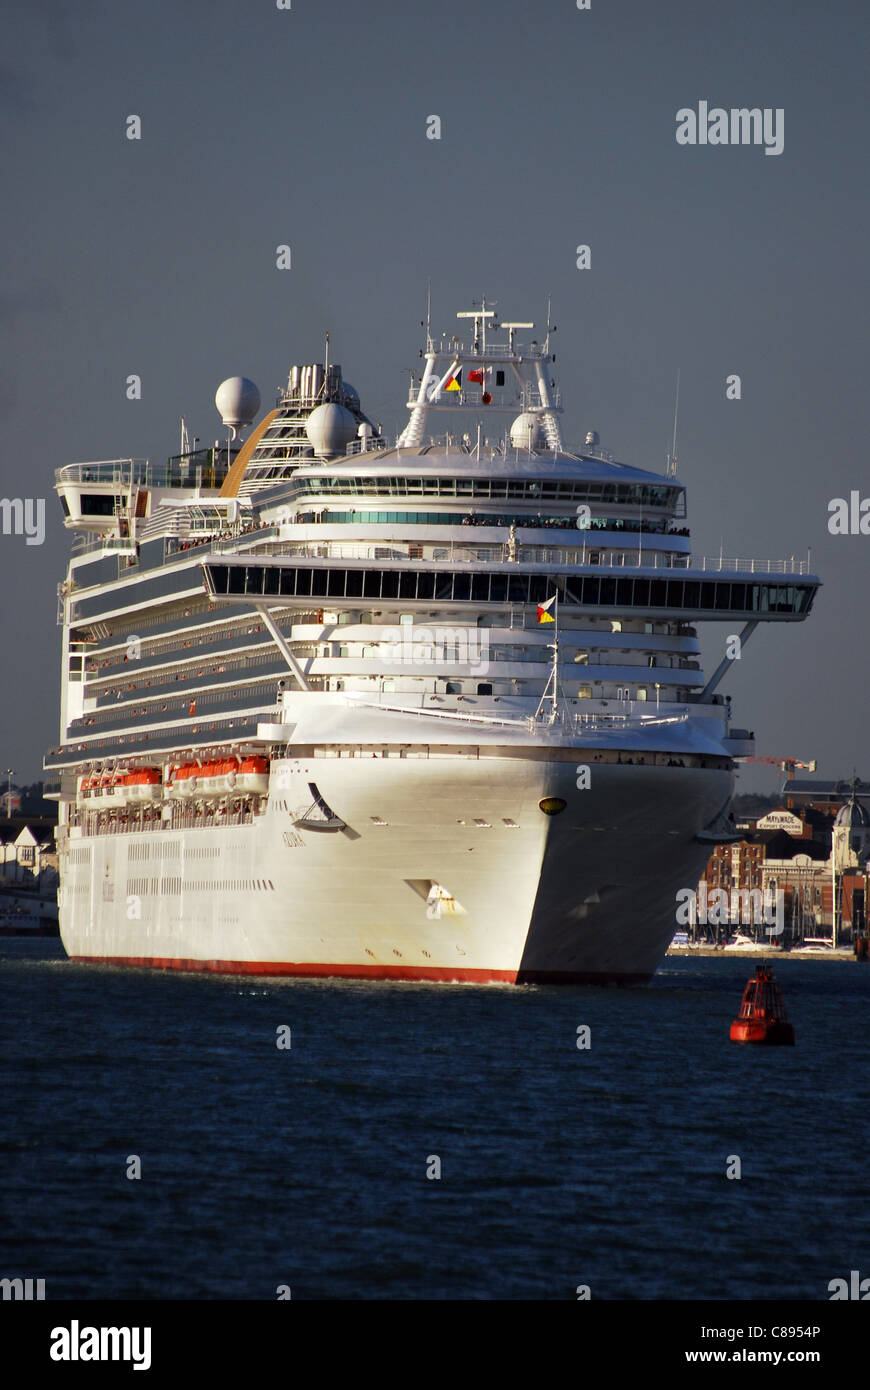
786	765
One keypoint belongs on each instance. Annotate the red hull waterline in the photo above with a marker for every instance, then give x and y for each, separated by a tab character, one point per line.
435	973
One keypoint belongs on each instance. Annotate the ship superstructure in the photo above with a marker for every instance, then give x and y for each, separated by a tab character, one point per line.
430	708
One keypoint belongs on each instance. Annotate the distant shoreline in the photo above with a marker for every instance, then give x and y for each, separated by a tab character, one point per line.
740	953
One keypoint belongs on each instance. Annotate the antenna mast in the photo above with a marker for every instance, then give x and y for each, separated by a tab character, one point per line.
672	456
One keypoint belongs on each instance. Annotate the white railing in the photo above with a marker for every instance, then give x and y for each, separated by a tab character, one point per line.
100	471
452	347
86	542
564	719
576	557
720	565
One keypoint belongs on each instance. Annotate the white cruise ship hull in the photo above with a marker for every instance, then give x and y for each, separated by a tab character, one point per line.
329	703
585	895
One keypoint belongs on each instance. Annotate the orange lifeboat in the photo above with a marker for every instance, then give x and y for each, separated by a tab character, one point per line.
223	776
213	778
253	776
145	784
762	1017
185	779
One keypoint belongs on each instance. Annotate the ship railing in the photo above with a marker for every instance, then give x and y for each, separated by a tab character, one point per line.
562	720
527	398
454	552
469	396
183	818
228	540
721	564
84	543
103	471
601	723
208	468
372	445
494	351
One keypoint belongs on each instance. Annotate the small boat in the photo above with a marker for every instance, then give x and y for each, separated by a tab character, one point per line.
741	942
762	1017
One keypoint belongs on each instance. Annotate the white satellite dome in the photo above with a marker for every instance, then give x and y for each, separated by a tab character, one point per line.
238	401
330	429
520	431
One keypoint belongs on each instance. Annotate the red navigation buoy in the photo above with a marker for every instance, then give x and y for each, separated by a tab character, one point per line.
762	1017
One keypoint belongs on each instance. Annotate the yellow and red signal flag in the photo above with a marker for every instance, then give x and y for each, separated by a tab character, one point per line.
454	382
544	614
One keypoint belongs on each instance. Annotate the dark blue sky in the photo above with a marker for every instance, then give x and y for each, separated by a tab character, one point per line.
308	127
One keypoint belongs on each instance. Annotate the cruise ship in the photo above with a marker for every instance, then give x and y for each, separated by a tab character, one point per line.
429	707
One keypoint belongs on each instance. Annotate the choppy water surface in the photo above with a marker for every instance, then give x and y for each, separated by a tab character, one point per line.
307	1166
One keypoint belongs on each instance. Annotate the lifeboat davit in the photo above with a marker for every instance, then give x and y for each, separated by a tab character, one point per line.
253	776
762	1017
